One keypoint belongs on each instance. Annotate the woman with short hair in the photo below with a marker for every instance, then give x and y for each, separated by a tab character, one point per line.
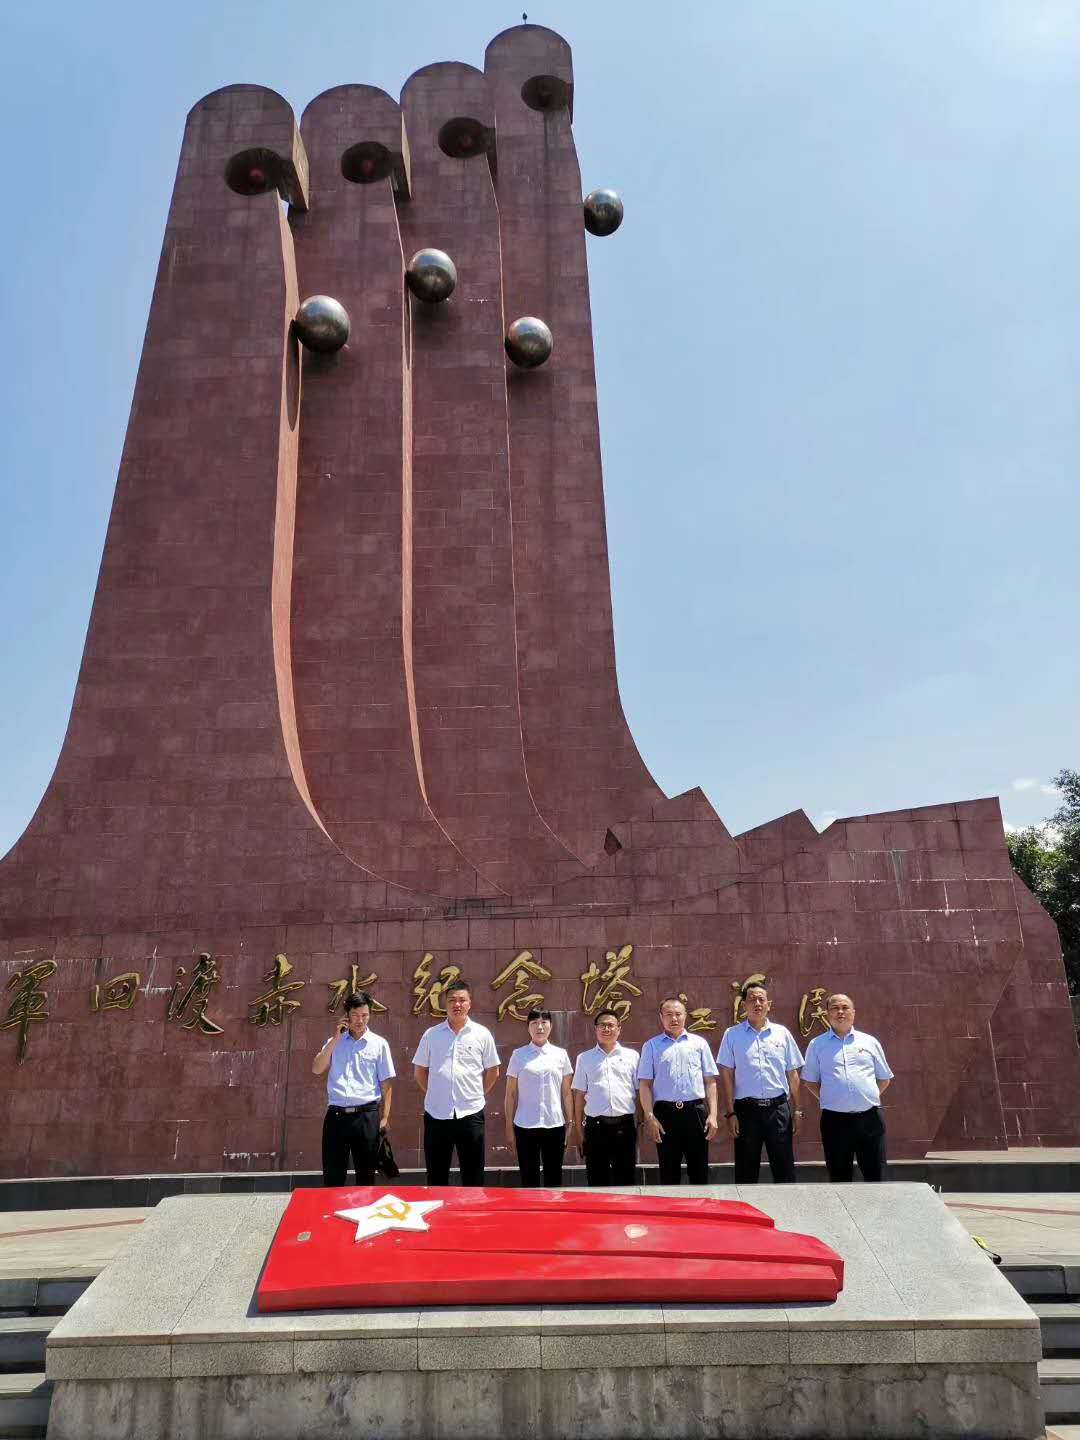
539	1105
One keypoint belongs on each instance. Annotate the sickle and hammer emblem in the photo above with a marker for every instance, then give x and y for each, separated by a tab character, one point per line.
393	1210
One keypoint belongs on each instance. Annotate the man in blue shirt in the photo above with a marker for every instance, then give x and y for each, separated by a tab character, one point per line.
677	1088
847	1073
359	1088
759	1074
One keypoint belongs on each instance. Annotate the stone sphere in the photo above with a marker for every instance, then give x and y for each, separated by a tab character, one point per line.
603	212
528	342
322	323
431	276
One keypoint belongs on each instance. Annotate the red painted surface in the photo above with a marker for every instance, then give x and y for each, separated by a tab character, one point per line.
349	694
500	1247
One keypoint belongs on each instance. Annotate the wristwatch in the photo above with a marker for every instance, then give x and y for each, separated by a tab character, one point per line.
728	1114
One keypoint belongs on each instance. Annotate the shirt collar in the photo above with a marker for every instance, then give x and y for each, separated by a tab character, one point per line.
447	1026
766	1027
671	1041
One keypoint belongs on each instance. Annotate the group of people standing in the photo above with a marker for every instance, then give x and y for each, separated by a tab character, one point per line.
671	1090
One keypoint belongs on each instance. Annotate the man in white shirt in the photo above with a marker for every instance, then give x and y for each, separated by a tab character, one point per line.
359	1074
759	1075
455	1065
677	1085
605	1105
847	1073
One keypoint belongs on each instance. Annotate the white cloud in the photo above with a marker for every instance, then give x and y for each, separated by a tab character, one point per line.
1028	782
826	818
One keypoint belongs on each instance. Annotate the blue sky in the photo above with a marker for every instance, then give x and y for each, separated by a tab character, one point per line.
838	352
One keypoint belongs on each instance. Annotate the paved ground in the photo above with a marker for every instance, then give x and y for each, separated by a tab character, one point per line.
56	1243
1047	1223
1018	1155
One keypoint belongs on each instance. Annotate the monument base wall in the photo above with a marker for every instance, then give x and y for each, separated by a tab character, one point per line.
960	978
977	1401
925	1338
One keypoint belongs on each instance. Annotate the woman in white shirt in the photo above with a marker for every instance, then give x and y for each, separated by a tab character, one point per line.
538	1105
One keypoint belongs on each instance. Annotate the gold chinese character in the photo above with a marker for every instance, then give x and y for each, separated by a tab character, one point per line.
340	989
118	994
204	977
29	1005
613	981
811	1011
271	1008
738	1009
430	992
519	1002
699	1019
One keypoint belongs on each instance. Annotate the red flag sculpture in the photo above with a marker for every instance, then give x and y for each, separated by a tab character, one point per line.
407	1246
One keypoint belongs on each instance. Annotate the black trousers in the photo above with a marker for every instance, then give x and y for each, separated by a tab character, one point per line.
611	1149
858	1137
442	1137
542	1147
355	1136
684	1139
768	1125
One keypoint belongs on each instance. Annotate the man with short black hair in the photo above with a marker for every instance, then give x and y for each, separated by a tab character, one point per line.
455	1065
847	1073
759	1075
359	1074
605	1105
677	1085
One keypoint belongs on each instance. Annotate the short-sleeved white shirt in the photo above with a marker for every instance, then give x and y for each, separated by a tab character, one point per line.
760	1059
608	1081
455	1064
539	1071
358	1069
847	1069
677	1068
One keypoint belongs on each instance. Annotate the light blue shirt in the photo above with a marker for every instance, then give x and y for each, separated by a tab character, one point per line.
847	1069
677	1068
358	1069
760	1059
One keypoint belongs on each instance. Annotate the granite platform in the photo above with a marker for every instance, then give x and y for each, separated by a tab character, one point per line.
926	1339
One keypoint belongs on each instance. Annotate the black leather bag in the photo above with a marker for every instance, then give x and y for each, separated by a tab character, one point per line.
384	1161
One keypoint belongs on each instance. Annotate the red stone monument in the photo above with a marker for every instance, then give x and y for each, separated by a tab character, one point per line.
348	710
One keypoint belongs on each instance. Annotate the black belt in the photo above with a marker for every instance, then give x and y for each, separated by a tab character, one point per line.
680	1104
352	1109
767	1104
608	1119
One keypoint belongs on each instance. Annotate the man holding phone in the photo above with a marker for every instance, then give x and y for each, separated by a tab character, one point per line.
359	1090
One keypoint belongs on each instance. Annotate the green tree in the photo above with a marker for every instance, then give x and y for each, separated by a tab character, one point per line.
1047	859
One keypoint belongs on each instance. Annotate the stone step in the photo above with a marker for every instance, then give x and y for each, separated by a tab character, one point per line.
1059	1381
47	1295
24	1405
22	1342
1048	1279
1060	1324
1063	1432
